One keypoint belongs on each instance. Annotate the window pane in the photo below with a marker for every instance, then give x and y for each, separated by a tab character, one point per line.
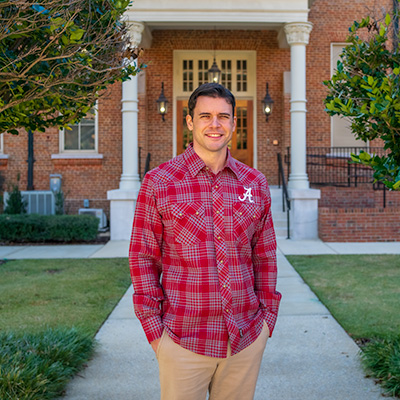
241	128
226	76
71	138
241	75
187	75
87	137
203	71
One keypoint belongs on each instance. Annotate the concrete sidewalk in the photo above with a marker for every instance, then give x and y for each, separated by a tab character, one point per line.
309	357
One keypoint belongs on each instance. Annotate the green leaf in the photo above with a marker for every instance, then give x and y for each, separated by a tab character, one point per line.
77	35
387	19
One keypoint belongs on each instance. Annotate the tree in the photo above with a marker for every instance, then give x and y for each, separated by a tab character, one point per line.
366	89
57	57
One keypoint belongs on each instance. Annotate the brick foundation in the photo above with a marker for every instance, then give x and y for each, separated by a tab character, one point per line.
359	224
357	215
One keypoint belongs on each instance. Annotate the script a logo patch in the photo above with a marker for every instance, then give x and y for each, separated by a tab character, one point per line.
247	195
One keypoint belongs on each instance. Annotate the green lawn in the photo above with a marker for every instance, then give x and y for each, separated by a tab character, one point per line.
38	294
361	291
50	311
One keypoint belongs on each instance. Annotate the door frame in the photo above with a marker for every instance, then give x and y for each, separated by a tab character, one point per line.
251	94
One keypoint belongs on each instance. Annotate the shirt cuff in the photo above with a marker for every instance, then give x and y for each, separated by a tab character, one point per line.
153	328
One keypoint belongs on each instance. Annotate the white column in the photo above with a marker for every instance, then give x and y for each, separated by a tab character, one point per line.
130	167
304	201
297	35
123	200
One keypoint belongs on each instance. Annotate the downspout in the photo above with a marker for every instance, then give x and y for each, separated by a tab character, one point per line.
395	24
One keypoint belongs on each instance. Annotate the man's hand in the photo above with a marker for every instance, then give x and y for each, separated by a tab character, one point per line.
154	344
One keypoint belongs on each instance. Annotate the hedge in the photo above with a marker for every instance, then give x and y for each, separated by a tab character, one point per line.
46	228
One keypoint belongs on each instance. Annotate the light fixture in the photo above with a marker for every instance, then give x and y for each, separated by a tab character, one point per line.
267	103
162	103
214	73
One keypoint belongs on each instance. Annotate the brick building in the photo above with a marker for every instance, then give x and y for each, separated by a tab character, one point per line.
292	45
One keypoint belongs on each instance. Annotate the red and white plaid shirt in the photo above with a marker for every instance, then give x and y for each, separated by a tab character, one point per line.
203	255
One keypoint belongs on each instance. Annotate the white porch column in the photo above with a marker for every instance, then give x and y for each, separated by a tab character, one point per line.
297	35
304	201
123	200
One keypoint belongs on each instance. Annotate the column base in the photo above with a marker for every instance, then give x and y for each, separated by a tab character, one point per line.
304	213
122	208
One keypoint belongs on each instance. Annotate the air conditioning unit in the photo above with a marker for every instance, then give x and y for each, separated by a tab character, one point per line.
36	201
97	212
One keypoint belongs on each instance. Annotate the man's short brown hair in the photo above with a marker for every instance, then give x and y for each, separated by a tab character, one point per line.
214	90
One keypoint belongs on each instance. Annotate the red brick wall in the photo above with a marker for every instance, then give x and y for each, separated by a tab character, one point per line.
359	224
81	178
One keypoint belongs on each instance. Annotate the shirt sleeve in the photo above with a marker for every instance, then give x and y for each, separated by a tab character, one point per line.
265	263
145	261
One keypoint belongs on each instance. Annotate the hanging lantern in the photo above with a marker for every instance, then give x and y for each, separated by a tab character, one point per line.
214	73
267	103
162	103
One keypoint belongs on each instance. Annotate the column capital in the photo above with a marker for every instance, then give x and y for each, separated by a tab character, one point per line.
135	31
298	32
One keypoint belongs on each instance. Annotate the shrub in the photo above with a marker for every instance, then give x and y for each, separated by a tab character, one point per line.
15	202
42	228
37	366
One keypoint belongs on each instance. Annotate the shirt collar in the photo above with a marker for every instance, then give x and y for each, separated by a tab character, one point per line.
195	164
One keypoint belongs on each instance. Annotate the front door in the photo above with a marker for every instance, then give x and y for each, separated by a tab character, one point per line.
241	145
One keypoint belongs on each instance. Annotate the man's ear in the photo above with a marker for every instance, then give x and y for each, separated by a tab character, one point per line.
189	122
234	124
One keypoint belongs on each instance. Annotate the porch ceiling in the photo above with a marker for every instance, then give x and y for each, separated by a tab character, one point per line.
217	14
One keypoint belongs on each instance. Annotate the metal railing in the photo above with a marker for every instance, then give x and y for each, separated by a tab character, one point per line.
331	166
285	195
146	165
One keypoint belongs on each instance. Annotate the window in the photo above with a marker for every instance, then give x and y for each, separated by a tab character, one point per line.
81	137
237	71
1	143
341	135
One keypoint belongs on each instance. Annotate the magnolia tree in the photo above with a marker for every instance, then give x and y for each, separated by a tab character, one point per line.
366	89
57	57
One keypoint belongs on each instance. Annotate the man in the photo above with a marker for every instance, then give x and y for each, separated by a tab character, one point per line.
203	261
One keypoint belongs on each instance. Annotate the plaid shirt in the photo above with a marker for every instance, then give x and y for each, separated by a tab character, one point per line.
203	255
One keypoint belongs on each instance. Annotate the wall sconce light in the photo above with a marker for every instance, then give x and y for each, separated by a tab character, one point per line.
267	103
162	103
55	183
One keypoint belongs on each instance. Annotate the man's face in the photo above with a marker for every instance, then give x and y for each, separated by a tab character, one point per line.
212	125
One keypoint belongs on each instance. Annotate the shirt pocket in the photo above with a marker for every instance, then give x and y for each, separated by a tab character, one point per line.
246	217
189	223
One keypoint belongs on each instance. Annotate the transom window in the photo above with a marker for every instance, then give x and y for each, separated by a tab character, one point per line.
81	137
192	70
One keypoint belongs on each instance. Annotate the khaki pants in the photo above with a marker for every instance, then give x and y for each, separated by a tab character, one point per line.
185	375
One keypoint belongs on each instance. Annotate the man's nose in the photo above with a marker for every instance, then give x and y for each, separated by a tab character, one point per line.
215	121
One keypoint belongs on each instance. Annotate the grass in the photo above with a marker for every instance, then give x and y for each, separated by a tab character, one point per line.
50	311
34	366
363	293
38	294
